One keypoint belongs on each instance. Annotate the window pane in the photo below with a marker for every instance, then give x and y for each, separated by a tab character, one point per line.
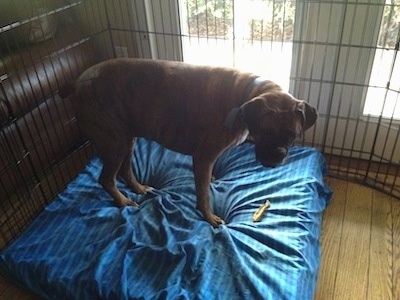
389	31
252	35
382	102
384	85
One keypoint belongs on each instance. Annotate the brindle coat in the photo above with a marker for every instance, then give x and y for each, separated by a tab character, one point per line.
184	108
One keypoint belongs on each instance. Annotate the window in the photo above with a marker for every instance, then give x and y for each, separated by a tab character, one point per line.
251	35
384	85
340	56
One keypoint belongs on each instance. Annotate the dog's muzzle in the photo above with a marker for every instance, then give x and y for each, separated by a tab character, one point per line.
272	157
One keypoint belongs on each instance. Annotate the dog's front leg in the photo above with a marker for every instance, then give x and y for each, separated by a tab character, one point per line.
202	177
126	172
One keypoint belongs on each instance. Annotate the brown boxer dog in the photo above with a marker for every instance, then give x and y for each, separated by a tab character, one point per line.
196	110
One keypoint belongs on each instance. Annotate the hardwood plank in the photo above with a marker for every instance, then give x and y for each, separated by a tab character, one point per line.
396	249
330	240
352	271
381	254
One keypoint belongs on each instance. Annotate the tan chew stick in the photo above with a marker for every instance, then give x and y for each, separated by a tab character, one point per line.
259	213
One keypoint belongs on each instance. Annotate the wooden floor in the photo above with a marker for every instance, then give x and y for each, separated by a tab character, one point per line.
360	247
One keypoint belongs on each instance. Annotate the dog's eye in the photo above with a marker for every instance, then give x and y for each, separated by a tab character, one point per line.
268	133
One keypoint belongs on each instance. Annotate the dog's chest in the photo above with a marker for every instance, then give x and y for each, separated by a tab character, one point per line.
242	137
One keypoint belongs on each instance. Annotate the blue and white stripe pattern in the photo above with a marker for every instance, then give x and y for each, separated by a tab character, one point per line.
83	247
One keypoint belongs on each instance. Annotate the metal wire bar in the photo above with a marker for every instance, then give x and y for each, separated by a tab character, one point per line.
331	56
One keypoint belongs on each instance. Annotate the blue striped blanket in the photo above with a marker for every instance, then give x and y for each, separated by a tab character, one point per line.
83	247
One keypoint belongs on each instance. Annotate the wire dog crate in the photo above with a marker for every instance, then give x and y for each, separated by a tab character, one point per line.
341	56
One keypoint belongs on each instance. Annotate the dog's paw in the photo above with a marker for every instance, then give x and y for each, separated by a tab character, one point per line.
132	203
126	202
149	188
142	189
215	221
211	218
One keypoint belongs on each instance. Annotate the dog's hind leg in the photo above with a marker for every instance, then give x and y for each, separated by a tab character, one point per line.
126	173
113	156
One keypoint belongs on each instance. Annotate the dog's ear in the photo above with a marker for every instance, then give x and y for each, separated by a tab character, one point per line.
252	111
309	114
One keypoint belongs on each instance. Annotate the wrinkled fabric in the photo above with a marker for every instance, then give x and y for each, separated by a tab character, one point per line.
83	247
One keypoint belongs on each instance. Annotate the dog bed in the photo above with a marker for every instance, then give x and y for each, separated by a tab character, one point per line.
83	247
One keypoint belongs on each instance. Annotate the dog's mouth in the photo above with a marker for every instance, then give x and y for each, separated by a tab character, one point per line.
272	158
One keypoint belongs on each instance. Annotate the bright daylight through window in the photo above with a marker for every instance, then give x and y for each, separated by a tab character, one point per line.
254	36
257	36
384	85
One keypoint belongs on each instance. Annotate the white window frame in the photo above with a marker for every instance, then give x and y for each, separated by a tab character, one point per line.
157	38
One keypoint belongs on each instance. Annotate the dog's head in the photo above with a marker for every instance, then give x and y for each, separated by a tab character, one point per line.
274	120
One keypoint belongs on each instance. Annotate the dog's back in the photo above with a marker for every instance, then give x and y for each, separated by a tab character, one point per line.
173	103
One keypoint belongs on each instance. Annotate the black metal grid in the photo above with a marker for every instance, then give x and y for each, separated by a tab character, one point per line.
333	44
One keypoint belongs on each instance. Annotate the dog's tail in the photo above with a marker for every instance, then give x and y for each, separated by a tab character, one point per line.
67	90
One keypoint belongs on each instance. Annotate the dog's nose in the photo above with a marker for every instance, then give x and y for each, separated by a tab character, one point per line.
278	155
274	158
268	164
